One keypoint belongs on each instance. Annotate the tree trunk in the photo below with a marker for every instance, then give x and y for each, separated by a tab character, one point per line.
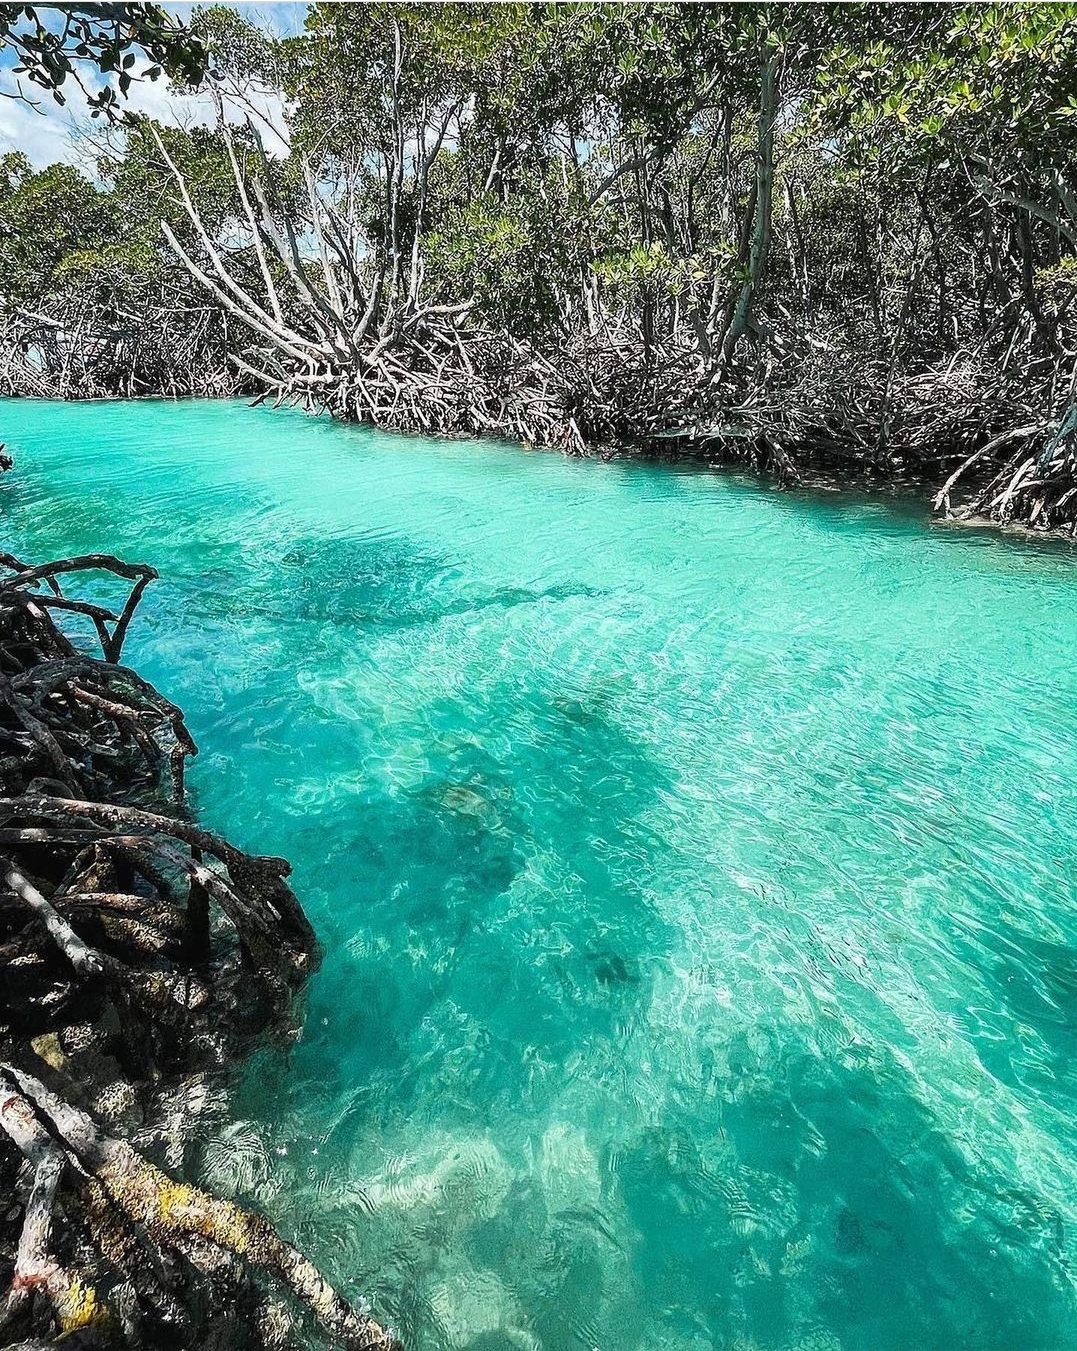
759	246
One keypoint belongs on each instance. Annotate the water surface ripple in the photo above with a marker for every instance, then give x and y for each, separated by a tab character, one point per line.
695	865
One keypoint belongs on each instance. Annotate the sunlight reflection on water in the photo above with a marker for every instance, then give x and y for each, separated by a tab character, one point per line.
695	866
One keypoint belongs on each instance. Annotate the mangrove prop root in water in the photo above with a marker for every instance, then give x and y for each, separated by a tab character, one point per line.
788	386
135	948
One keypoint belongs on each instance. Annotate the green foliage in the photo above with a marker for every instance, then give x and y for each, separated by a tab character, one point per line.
58	44
62	232
44	216
112	263
994	79
241	49
501	254
142	188
564	167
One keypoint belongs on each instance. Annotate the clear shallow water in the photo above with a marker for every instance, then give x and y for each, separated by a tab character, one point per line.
695	866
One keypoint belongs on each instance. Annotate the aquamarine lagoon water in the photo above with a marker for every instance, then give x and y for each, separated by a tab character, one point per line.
695	866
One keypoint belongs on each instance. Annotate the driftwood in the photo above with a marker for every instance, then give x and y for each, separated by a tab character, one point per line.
135	947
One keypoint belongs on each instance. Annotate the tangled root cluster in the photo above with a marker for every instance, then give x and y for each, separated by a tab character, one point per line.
139	953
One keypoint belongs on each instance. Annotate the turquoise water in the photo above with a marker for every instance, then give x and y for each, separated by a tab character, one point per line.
695	865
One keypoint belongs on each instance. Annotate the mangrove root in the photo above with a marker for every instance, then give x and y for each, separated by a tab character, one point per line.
136	947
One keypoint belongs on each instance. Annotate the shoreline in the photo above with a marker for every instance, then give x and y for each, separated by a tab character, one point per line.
813	475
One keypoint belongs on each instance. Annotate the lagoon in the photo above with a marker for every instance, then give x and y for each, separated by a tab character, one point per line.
695	865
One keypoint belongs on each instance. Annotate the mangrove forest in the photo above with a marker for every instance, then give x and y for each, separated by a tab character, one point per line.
536	792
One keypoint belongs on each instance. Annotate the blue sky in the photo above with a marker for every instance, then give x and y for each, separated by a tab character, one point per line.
50	133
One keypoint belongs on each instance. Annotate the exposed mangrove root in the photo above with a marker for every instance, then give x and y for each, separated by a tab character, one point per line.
136	948
74	346
355	330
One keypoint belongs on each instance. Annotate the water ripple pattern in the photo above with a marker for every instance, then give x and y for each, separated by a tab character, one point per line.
695	865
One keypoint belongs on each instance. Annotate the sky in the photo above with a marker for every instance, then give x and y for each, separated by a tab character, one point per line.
50	133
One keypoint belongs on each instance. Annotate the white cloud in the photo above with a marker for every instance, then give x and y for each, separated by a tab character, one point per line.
44	137
59	134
